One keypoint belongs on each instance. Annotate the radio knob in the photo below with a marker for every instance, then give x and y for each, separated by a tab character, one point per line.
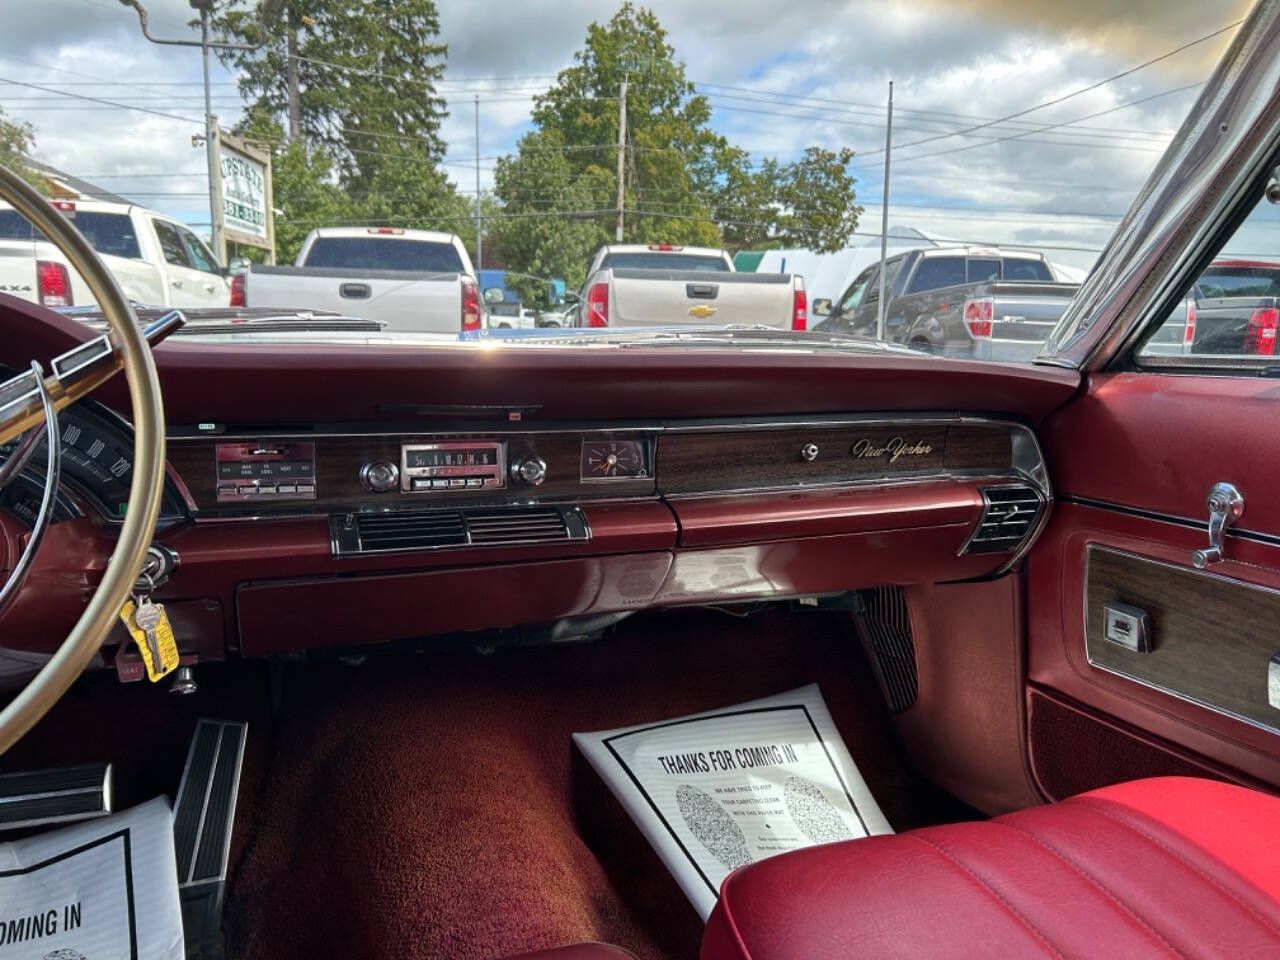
379	476
529	470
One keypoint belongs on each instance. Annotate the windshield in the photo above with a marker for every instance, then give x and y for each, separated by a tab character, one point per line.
533	153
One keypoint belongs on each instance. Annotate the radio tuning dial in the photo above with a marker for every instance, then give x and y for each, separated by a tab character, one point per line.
379	476
529	470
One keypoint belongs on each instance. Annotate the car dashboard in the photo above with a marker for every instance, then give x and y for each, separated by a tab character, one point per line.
335	538
427	498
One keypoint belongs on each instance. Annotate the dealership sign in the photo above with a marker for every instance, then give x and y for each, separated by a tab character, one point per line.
244	194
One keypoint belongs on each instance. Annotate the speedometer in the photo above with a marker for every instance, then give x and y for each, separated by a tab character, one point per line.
615	459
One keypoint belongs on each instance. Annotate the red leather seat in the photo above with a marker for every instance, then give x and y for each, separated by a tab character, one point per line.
1171	867
579	951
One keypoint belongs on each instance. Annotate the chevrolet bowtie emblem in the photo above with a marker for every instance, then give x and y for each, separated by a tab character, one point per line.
702	311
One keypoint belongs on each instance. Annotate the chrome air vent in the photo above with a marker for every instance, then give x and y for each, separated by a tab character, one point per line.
520	526
403	530
410	531
1009	515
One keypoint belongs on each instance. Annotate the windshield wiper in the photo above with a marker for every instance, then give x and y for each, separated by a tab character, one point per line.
286	323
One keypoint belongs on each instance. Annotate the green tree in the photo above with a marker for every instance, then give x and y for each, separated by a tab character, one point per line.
684	183
546	228
346	90
808	203
355	76
18	141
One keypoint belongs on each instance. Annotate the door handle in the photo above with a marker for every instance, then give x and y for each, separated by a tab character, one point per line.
176	283
354	291
1226	504
209	288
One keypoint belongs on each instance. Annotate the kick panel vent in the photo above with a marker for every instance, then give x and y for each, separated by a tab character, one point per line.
1008	517
885	629
404	530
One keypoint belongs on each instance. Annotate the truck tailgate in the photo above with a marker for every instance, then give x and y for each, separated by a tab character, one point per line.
651	298
1026	312
402	300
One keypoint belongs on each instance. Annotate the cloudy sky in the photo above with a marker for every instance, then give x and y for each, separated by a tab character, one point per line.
781	77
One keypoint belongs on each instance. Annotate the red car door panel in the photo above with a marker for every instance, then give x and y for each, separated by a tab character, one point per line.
1132	459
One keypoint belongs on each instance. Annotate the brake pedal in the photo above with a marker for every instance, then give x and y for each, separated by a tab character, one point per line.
203	817
63	795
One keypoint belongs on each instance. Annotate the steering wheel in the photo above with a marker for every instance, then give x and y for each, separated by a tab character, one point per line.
29	402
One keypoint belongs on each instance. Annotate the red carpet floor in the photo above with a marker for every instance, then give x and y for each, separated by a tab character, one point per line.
426	806
423	806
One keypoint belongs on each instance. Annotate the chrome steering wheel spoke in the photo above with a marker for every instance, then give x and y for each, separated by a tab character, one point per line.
53	472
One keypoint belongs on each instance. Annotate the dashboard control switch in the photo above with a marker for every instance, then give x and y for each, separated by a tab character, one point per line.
380	476
809	452
530	471
1127	626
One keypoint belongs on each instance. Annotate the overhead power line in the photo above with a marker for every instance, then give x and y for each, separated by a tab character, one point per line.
1067	96
935	117
1048	127
123	106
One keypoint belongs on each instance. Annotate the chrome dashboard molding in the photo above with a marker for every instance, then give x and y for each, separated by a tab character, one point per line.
1160	688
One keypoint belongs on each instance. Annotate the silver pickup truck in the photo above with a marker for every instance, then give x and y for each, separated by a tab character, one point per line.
663	285
415	281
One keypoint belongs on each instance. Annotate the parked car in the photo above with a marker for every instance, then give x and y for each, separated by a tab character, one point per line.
415	281
662	285
517	316
963	301
155	259
1237	308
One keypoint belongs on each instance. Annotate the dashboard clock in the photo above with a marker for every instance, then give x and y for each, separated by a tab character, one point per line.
615	459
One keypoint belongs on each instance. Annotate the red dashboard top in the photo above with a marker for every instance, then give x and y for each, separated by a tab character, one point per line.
287	383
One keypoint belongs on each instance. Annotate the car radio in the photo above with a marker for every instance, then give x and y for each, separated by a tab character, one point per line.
262	470
452	465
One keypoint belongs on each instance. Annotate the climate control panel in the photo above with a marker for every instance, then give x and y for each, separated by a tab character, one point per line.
264	470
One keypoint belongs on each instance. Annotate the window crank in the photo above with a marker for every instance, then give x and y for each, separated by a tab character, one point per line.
1226	504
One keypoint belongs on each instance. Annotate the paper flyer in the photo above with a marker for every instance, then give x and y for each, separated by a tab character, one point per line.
106	889
718	790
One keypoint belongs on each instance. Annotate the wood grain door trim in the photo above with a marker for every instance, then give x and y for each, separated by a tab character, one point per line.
1214	635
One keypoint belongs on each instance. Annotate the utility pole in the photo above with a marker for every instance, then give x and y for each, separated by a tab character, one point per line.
267	9
291	75
622	156
210	149
479	219
884	217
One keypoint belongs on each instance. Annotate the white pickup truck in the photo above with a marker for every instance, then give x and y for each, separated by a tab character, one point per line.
663	285
409	280
156	260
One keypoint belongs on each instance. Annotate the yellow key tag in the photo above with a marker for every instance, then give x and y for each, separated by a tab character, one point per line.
148	624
